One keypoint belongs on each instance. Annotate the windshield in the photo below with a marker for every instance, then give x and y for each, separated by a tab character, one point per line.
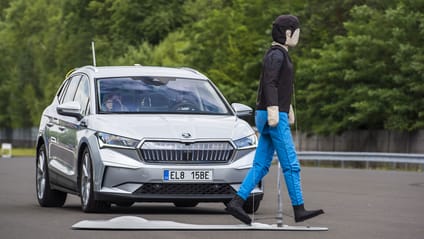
158	95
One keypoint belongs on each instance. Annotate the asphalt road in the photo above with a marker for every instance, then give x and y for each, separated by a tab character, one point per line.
358	204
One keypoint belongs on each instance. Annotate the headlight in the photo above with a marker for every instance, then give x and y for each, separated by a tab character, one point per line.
246	142
110	140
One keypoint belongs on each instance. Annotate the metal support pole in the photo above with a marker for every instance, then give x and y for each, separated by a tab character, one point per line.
279	199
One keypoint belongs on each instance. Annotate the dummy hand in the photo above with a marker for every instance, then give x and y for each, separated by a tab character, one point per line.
291	115
273	115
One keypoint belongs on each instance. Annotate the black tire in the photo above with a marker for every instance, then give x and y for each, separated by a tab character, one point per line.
88	203
46	196
186	203
251	206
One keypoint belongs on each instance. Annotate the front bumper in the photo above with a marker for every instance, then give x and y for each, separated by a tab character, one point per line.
134	180
173	193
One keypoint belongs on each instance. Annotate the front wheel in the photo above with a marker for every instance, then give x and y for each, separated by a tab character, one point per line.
88	203
46	196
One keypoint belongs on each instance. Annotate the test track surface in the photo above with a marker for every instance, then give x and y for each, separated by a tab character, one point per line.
357	204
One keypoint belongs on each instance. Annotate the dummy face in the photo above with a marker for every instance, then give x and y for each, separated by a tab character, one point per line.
109	104
292	40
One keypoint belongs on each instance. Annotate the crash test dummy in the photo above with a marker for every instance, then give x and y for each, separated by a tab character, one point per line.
272	121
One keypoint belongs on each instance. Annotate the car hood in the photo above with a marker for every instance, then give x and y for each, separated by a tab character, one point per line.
171	126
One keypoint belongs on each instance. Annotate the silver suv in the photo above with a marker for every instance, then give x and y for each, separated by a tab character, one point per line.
119	135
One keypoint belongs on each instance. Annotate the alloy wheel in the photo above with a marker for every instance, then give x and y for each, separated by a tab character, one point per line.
41	175
86	179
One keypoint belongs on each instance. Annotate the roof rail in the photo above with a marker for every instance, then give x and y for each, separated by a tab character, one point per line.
93	68
70	72
90	67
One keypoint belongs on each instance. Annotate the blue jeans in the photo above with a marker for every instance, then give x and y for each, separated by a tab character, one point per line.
273	139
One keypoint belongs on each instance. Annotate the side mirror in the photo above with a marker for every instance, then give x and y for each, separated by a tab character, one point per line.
241	109
72	109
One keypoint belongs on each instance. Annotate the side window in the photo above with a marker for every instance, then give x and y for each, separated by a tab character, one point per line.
62	90
83	93
70	92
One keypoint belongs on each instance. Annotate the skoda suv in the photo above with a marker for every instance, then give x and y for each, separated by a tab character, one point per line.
119	135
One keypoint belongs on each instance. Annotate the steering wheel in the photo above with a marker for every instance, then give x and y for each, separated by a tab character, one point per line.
185	106
154	100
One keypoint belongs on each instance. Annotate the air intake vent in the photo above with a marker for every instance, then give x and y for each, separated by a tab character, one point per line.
185	189
193	153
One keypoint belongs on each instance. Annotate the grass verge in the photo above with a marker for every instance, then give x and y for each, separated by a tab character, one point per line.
23	152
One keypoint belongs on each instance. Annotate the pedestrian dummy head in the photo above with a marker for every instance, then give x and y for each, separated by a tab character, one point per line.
285	30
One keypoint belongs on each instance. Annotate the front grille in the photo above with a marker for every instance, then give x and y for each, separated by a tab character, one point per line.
185	189
193	153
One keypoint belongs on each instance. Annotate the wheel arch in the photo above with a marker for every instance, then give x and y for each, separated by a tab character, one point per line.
83	146
40	141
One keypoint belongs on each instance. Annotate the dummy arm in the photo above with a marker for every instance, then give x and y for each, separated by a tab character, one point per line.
272	66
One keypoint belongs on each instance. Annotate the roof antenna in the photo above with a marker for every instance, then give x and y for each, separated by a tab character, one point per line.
94	53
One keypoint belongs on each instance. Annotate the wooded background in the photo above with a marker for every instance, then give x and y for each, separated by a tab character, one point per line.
359	64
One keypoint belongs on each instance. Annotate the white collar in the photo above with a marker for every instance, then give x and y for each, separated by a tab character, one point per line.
274	43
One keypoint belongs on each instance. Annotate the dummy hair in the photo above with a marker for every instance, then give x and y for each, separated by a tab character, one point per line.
281	25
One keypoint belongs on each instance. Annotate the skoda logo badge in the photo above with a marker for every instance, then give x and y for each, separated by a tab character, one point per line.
186	135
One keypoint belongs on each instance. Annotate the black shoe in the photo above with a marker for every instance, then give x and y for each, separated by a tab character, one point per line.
300	214
235	208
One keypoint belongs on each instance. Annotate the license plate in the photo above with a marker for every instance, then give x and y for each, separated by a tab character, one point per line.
188	175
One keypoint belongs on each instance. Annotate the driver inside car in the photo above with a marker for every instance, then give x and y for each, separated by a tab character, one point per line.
113	103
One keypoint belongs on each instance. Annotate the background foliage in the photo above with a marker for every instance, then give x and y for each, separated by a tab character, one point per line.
359	63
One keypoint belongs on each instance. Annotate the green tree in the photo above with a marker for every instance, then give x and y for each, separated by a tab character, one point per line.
359	63
119	24
26	46
370	78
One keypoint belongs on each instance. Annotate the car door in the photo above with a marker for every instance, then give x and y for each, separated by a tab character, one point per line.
69	139
52	131
61	149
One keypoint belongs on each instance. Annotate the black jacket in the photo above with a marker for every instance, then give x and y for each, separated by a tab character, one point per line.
276	81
